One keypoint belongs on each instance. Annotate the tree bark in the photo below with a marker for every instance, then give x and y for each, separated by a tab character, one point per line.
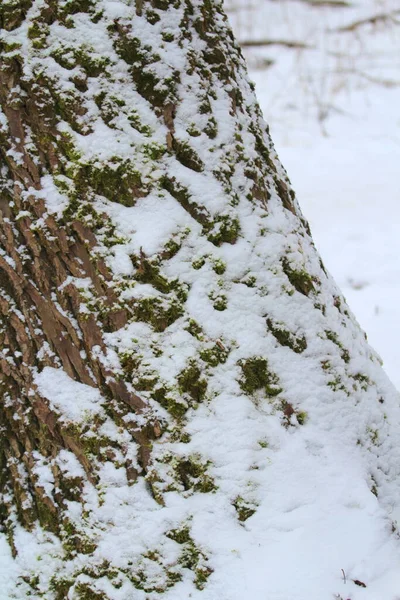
153	260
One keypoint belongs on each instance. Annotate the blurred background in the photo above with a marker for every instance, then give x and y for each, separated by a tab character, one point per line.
327	76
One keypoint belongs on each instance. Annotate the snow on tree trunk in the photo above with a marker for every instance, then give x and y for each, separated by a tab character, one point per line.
179	372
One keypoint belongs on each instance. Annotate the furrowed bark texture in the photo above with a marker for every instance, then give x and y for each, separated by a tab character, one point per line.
152	259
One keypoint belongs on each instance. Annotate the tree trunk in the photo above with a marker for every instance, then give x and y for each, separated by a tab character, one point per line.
167	326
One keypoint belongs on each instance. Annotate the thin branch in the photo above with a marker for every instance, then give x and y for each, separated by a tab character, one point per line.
388	83
285	43
379	18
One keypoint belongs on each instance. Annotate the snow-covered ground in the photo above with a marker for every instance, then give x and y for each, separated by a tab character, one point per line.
337	132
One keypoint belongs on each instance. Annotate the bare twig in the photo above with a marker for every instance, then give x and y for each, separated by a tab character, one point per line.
379	18
387	83
344	576
285	43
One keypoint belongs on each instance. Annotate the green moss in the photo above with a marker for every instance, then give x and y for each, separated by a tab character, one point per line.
158	313
220	302
332	336
286	338
145	383
12	13
142	575
182	195
61	586
71	487
48	517
363	380
64	184
87	437
136	122
154	151
181	436
155	486
250	281
72	7
65	103
176	408
374	435
198	263
37	33
117	181
171	248
152	17
374	486
149	272
128	48
201	577
219	266
84	591
336	385
130	361
256	376
181	535
190	556
190	381
84	56
261	147
10	46
205	107
167	36
301	417
181	290
157	91
224	229
193	474
194	559
272	390
171	473
97	16
109	106
74	540
300	279
66	145
173	577
214	356
244	509
187	156
110	239
162	4
195	330
81	210
33	582
211	129
320	306
193	130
